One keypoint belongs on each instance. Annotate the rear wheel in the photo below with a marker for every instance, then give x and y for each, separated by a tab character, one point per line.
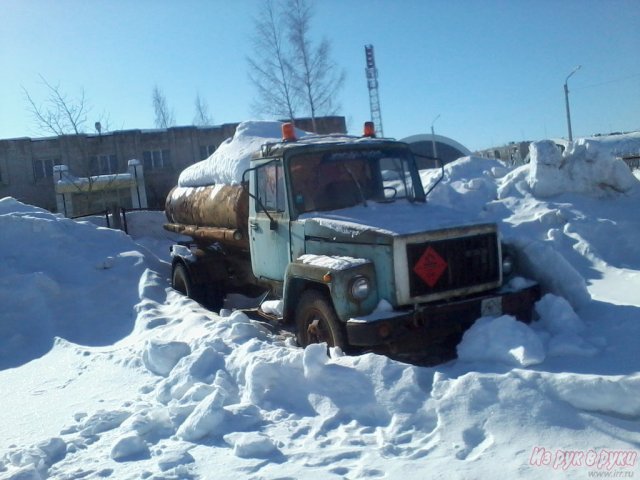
317	321
181	281
211	296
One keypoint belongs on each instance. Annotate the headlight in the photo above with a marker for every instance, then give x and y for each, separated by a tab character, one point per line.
359	288
507	265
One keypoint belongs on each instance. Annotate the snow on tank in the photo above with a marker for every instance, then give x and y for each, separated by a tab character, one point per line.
231	159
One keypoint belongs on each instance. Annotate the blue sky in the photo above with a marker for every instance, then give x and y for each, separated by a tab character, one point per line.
493	70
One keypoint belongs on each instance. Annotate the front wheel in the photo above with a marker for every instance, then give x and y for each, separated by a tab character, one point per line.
317	321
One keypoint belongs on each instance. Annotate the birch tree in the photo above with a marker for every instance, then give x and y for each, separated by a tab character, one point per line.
271	67
317	78
202	117
164	117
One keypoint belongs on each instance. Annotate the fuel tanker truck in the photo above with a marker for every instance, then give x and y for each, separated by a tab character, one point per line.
338	229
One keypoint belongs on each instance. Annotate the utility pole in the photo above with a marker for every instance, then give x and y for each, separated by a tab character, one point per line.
372	83
566	101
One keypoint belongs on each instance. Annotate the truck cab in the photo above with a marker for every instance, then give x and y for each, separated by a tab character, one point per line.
291	182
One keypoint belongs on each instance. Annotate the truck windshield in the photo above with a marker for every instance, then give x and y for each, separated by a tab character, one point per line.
331	180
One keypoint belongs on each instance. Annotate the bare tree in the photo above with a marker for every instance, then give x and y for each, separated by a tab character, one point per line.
59	114
202	117
271	69
165	118
63	115
318	79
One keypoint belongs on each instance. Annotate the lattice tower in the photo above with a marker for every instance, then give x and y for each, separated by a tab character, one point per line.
372	84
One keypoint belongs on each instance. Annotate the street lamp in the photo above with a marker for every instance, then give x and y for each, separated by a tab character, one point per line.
433	139
566	101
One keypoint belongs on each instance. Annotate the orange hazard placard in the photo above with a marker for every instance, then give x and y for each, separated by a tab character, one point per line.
430	267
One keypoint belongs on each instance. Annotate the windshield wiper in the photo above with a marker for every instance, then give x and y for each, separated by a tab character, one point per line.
438	160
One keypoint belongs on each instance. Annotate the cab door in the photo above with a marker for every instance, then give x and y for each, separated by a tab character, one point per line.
269	222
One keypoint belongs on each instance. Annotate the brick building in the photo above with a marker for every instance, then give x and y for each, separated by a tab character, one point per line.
26	164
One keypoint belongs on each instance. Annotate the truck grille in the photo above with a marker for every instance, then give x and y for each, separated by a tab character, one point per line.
451	264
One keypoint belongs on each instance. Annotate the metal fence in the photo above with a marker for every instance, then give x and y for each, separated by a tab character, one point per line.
103	213
115	217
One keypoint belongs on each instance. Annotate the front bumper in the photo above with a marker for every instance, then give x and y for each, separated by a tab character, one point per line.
416	330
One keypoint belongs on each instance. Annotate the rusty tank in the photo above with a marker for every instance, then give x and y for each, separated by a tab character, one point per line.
210	214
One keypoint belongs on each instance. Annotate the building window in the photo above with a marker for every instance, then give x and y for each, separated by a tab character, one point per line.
206	151
44	168
156	159
103	165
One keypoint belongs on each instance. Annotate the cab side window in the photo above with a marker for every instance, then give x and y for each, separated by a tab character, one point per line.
270	183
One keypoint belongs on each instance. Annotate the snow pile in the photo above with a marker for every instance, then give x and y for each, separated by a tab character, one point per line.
621	145
558	332
478	190
563	329
501	339
586	166
232	157
83	292
468	180
273	307
542	261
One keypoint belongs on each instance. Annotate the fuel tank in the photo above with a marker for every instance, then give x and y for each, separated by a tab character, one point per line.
215	213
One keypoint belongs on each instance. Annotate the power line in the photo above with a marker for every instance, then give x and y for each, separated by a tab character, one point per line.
637	75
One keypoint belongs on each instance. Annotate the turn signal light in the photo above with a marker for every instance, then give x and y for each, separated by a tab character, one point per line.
369	130
288	132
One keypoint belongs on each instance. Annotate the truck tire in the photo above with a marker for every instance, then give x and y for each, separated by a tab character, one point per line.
210	296
317	321
181	282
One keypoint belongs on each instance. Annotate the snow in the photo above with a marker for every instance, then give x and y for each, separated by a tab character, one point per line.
383	310
231	159
273	307
332	262
503	340
129	447
160	357
586	166
620	145
105	372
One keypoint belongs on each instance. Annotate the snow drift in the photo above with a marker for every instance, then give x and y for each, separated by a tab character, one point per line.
63	278
586	166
